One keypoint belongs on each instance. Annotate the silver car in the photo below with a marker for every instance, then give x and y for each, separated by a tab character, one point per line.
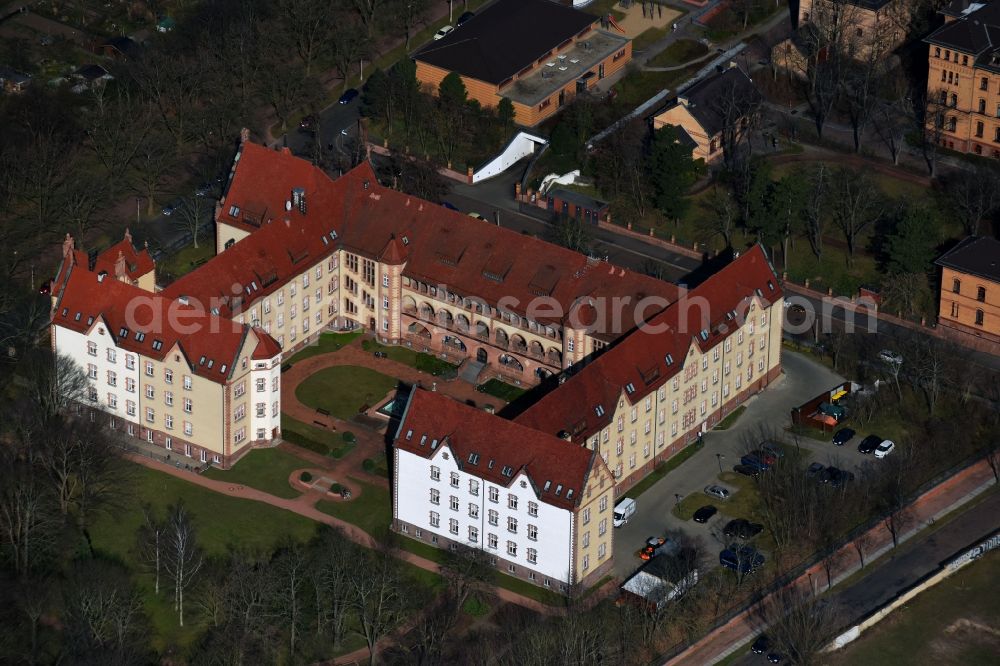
717	491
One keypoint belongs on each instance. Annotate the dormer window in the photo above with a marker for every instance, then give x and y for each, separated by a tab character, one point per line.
558	489
473	458
157	345
490	465
201	361
423	438
670	359
630	387
507	471
434	444
90	320
548	484
223	369
123	332
78	316
234	210
569	493
139	336
704	334
599	410
210	363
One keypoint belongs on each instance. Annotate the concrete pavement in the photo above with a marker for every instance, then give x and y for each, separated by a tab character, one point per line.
767	411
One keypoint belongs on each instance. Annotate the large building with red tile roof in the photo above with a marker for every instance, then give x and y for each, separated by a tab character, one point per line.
541	506
299	253
463	476
161	369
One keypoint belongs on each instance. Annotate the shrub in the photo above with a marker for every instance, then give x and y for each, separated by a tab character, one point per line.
306	477
368	465
349	437
336	488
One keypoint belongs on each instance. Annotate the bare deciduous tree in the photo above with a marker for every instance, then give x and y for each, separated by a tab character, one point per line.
857	205
182	558
377	599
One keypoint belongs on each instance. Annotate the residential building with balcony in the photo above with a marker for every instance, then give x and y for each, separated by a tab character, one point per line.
537	53
540	507
969	307
963	78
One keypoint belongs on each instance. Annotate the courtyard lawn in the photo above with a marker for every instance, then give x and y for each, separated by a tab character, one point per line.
423	362
742	502
220	522
263	469
328	442
328	342
371	510
954	622
680	52
502	390
187	259
647	38
343	390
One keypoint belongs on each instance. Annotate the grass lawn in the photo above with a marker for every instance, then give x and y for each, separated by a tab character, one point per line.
742	502
475	607
502	390
954	622
263	469
328	342
371	510
428	363
648	37
663	469
681	51
316	439
343	390
220	522
187	259
727	423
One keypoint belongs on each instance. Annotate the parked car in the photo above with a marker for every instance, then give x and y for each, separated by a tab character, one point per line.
775	657
815	469
348	96
703	514
476	216
768	457
761	645
449	205
464	17
742	529
890	357
169	209
869	444
839	477
380	354
747	470
885	448
772	449
623	511
717	491
443	32
743	559
753	461
204	190
659	546
308	123
843	436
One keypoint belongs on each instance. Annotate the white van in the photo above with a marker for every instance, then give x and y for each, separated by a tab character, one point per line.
623	511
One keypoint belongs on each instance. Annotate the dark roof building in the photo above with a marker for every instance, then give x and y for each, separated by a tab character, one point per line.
973	28
975	255
505	38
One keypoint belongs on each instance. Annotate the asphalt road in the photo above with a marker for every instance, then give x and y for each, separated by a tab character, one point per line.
332	120
917	559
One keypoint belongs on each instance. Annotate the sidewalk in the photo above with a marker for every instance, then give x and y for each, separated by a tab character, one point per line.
930	506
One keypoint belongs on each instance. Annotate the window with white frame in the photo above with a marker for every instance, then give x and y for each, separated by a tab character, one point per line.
130	361
473	510
454	479
130	408
112	401
453	526
149	369
435	496
512	502
532	555
188	428
261	409
435	519
168	421
150	415
602	550
602	527
92	348
91	371
453	502
512	548
533	532
261	384
532	508
493	517
435	473
603	504
150	392
240	412
474	487
586	516
188	405
473	534
586	562
494	495
111	354
187	382
112	378
491	541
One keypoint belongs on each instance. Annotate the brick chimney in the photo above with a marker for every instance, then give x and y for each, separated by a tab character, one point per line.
68	246
120	266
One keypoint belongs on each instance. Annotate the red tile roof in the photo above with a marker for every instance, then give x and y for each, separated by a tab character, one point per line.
267	347
137	263
440	246
640	359
150	324
552	464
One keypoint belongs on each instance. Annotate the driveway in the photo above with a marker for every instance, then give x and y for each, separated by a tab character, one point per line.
802	379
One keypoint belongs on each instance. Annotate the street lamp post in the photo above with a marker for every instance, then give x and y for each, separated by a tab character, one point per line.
137	210
677	499
719	457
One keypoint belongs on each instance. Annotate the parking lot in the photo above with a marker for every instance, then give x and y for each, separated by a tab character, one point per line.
768	412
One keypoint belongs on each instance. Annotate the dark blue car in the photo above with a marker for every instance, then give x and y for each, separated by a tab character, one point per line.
348	96
743	559
750	460
449	206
